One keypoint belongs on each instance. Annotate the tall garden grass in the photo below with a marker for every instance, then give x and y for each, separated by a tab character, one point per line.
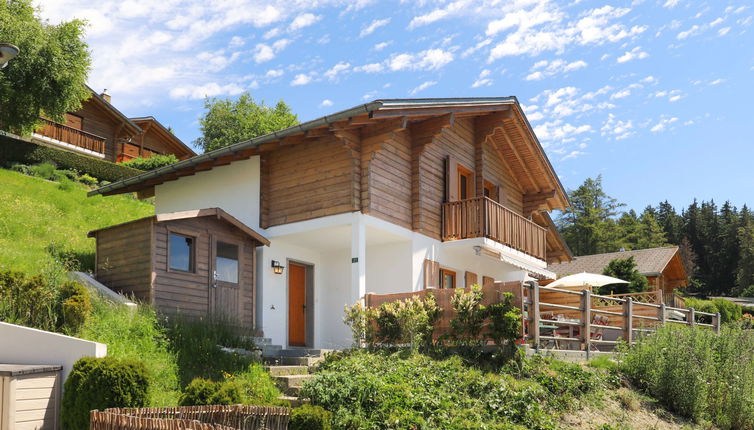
698	374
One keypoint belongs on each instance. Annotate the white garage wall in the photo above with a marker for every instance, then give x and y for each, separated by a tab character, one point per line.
233	188
389	268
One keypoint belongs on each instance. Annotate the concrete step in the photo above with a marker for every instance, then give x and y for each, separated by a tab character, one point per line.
260	341
300	352
291	361
287	370
291	384
270	350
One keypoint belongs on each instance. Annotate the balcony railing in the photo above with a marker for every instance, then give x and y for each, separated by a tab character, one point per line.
483	217
72	136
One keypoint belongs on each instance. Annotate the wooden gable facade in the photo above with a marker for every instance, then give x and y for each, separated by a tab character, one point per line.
101	130
134	258
399	162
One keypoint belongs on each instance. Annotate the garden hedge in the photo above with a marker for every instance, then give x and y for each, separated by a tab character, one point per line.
13	150
100	383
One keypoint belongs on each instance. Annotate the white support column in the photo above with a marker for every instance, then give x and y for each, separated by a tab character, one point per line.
358	258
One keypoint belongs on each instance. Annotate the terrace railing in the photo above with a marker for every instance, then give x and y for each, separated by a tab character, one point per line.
72	136
214	417
484	217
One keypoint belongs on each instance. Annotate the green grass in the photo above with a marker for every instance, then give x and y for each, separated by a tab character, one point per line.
36	215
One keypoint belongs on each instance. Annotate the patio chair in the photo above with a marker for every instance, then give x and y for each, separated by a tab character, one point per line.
596	332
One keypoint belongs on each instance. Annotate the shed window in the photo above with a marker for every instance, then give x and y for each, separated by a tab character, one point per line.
226	262
181	252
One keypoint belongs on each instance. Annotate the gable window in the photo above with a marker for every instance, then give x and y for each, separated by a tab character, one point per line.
181	252
447	278
465	183
226	262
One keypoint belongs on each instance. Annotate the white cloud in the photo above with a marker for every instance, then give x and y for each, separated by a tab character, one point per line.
437	14
617	129
301	79
430	59
550	68
671	3
723	31
236	41
649	80
620	94
695	29
370	68
663	124
302	21
273	73
717	81
560	131
264	52
374	25
423	86
326	103
337	69
634	54
382	45
483	80
275	32
212	89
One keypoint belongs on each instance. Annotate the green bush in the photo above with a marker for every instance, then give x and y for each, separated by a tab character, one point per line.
308	417
402	322
100	383
469	315
698	374
504	324
76	306
729	311
13	150
87	180
257	386
151	163
136	336
28	301
207	392
45	170
196	345
369	390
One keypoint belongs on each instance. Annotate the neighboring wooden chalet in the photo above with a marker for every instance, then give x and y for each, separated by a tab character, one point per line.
100	130
386	197
194	262
662	267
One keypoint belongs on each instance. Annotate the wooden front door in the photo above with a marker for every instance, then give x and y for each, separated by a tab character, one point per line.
225	288
296	304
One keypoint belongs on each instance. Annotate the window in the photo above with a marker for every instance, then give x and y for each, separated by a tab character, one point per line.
447	278
181	252
490	190
465	183
226	262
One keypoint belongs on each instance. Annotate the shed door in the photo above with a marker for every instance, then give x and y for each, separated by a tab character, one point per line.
225	297
296	304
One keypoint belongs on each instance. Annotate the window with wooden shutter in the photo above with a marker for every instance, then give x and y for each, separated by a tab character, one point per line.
459	182
447	278
431	274
491	190
487	281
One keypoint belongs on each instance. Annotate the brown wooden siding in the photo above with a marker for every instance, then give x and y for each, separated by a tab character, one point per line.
97	121
191	293
309	180
124	259
387	183
509	193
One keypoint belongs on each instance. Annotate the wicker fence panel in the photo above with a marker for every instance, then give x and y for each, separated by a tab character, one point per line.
238	417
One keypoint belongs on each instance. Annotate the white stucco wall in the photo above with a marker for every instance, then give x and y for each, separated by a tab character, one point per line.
24	345
389	268
233	188
333	293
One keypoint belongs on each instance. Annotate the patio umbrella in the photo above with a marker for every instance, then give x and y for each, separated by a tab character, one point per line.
586	279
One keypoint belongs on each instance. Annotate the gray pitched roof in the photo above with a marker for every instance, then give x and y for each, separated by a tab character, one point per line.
649	262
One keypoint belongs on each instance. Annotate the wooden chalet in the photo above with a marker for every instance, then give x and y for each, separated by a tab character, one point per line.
386	197
662	266
100	130
194	262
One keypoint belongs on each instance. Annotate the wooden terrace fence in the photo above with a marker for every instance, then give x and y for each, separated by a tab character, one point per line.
235	417
484	217
72	136
577	308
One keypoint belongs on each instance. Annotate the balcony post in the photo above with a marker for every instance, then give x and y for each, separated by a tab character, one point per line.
534	310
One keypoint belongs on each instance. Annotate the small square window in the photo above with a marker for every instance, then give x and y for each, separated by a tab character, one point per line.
447	278
181	252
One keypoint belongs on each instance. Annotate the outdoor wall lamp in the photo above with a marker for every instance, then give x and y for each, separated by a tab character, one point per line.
277	267
7	53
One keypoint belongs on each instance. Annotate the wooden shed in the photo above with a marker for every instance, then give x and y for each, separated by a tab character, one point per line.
29	397
197	263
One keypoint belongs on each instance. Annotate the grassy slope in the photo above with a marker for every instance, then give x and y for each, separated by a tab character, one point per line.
35	213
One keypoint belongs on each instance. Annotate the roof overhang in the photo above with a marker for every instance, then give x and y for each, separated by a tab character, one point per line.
379	110
118	115
164	132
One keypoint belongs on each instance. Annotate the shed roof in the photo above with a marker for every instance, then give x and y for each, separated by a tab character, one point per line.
196	213
649	262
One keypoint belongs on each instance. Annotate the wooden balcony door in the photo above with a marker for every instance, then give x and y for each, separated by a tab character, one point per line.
297	312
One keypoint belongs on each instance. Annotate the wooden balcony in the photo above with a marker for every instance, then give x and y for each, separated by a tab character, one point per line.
483	217
72	136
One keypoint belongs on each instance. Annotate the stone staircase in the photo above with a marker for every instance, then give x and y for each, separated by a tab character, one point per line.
290	367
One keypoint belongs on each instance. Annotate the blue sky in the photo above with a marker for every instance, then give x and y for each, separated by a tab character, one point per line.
654	94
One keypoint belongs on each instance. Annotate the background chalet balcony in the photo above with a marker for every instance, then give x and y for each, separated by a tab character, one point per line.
483	217
72	136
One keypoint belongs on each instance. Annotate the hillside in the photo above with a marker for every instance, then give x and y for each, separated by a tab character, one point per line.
39	218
